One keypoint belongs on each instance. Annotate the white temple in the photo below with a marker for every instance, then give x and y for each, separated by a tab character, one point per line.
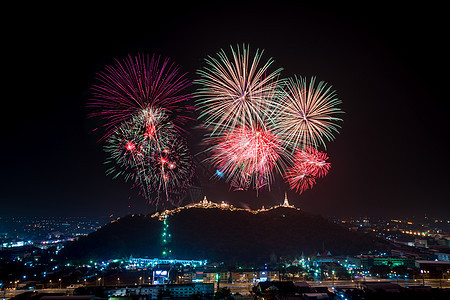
286	202
224	206
205	201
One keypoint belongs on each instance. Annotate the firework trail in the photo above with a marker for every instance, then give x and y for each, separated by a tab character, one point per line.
305	115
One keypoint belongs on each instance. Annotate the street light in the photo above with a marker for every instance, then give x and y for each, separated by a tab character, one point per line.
332	278
59	283
423	276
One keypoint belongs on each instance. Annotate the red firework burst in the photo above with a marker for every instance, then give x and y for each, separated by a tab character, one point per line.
247	156
314	160
309	164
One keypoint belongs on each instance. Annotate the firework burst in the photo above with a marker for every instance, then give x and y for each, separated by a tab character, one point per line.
235	92
143	102
167	173
314	160
149	152
139	83
128	144
234	100
308	164
306	114
247	157
299	178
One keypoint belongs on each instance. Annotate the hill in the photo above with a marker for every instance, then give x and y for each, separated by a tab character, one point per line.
221	235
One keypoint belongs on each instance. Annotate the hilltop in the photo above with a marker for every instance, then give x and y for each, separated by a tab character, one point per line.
220	233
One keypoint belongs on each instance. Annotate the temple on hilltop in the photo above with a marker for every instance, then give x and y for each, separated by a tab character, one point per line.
223	206
205	201
286	201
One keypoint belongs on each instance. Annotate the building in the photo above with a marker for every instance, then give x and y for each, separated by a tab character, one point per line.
169	290
65	297
421	243
381	286
367	261
316	296
443	256
153	262
442	253
333	269
161	275
275	289
188	290
318	258
302	287
432	267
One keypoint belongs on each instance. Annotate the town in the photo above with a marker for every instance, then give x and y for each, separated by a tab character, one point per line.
419	259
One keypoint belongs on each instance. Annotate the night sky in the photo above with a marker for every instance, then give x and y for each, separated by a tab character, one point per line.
387	63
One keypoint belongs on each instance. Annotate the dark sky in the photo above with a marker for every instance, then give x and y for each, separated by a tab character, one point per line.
387	63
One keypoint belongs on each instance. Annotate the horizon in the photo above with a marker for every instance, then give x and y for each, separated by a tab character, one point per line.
240	208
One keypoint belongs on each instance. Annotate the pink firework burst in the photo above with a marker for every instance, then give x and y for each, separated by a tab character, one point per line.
247	156
140	83
309	164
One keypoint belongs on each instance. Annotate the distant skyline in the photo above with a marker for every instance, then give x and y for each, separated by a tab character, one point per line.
386	64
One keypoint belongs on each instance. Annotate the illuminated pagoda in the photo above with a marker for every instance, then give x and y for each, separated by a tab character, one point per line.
286	201
206	204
